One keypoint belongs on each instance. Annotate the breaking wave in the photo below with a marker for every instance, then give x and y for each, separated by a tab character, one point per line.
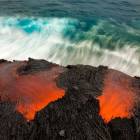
70	41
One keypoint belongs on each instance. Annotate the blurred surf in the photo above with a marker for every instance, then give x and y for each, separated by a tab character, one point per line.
71	41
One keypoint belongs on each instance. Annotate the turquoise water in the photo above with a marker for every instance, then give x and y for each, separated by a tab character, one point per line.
75	32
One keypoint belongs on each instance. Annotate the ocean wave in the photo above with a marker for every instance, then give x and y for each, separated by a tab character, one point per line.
69	41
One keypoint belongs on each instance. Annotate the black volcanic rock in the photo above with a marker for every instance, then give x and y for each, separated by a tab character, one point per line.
73	117
86	79
33	66
136	85
13	126
4	61
122	129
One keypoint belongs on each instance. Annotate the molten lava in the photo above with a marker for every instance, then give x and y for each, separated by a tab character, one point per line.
118	98
31	92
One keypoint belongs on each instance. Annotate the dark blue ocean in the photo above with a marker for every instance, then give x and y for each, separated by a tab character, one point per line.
93	32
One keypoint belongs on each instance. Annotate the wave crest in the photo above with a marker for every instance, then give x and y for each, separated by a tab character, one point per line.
69	41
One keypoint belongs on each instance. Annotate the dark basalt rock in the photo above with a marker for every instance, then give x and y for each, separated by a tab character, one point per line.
4	61
137	122
122	129
136	85
73	117
86	79
34	65
12	124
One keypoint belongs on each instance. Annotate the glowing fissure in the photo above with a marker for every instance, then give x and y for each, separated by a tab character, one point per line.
30	92
118	98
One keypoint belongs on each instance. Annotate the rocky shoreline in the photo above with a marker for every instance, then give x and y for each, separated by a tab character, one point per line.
74	116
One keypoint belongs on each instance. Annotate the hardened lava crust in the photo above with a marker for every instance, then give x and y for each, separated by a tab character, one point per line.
40	100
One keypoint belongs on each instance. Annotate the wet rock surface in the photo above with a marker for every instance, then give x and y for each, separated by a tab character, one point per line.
73	117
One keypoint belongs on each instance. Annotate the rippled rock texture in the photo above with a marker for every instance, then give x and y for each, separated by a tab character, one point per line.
43	101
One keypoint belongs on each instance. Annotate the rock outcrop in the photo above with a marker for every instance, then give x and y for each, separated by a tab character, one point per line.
73	116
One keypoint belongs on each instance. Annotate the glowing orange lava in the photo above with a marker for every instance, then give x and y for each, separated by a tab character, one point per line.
31	92
118	98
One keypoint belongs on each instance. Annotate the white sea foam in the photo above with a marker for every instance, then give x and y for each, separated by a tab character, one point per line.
50	44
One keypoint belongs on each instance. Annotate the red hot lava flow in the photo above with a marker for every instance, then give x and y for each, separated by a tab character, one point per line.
118	97
31	92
